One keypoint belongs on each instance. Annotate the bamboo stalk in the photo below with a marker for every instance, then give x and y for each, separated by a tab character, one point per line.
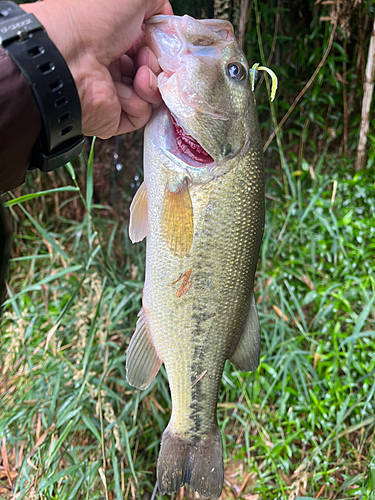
345	100
368	88
243	19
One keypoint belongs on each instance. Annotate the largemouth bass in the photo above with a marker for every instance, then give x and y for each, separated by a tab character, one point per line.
201	207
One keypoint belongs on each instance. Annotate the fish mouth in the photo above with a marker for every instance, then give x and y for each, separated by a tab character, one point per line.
191	152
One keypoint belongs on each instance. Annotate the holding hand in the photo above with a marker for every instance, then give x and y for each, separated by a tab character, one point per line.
103	45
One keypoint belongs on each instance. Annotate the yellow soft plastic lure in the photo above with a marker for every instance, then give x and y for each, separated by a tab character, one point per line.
255	68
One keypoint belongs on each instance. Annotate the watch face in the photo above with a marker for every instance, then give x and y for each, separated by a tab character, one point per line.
15	23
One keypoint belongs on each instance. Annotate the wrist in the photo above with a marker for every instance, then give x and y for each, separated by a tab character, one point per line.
56	19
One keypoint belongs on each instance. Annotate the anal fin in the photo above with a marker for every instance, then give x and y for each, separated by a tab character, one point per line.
247	353
138	226
142	361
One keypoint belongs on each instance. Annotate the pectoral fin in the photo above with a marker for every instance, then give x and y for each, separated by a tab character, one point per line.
247	353
138	227
178	226
142	361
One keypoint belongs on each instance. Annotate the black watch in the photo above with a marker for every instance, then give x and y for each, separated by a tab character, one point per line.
52	84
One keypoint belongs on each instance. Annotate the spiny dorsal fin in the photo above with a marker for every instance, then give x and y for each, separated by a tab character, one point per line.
247	353
138	227
178	225
142	361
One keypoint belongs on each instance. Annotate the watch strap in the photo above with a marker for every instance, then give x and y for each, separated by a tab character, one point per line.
52	84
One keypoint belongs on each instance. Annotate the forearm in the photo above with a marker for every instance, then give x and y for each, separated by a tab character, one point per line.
20	124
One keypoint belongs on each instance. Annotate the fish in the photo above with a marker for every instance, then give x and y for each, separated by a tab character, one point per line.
201	210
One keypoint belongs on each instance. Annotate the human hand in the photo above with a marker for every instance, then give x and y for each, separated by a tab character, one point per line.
103	45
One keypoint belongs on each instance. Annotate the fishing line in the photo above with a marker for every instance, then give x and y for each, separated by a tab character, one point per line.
155	490
117	166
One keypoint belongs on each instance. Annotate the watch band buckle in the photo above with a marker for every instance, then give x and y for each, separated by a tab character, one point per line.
55	159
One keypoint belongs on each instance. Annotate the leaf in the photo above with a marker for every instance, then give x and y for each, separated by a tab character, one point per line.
60	441
48	279
279	312
45	234
116	474
313	201
357	333
31	196
59	475
90	177
90	424
104	481
71	171
128	451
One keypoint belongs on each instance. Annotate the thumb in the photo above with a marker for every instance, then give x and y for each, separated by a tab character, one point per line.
158	7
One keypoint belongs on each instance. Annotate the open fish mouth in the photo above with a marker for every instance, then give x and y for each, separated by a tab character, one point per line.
187	145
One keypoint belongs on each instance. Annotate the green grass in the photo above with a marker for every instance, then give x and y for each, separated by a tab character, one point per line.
303	425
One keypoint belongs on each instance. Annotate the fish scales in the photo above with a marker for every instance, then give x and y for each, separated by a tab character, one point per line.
214	310
204	223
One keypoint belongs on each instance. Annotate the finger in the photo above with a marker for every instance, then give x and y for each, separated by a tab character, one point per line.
127	66
145	57
129	123
146	85
167	9
121	68
135	111
138	43
156	8
127	81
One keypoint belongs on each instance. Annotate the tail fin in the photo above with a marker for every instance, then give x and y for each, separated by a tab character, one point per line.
199	464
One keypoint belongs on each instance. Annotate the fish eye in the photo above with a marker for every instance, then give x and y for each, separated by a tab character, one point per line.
236	71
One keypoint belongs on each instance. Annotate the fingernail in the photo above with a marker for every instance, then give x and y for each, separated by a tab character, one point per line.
125	92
